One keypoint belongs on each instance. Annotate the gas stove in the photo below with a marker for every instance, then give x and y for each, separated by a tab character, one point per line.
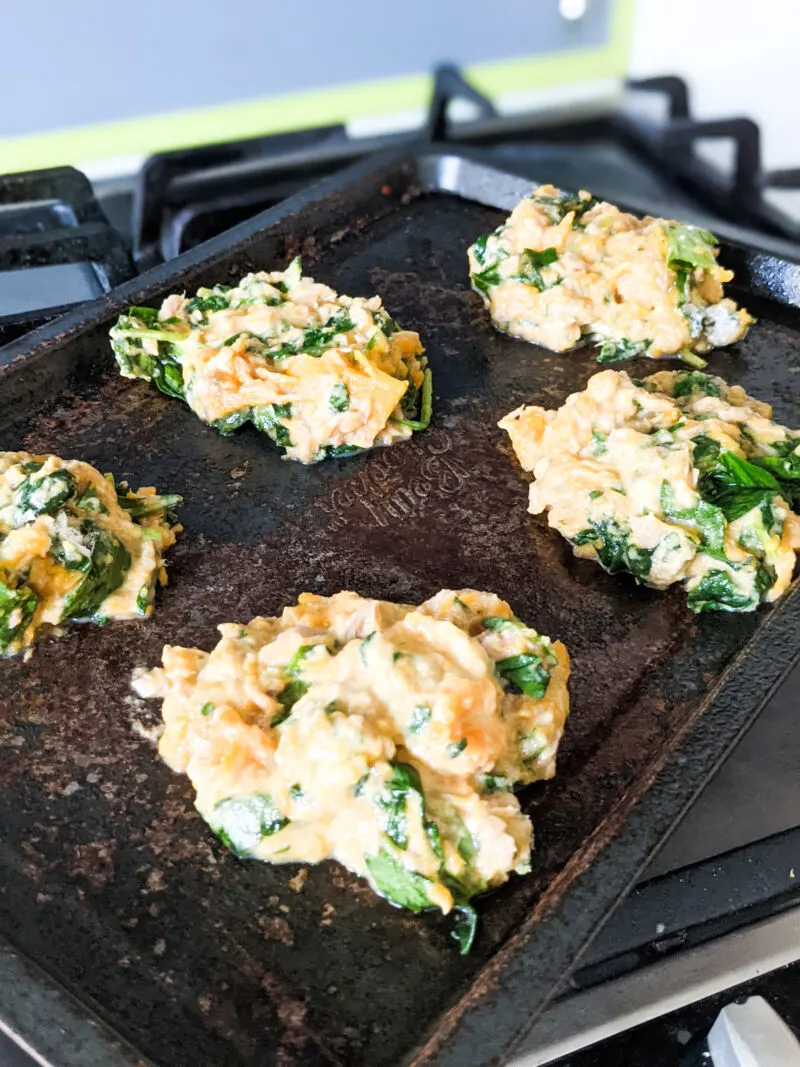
717	906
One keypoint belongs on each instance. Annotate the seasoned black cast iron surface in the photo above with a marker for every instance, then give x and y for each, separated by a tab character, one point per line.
111	881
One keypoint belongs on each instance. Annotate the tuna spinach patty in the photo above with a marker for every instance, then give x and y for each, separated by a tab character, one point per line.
321	374
562	269
75	546
678	478
385	736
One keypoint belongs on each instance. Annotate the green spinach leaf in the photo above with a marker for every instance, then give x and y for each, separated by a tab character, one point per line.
479	249
340	397
420	717
146	596
73	550
162	368
295	688
243	822
16	611
386	323
90	501
695	381
208	300
268	419
716	591
557	207
612	351
599	445
498	624
434	837
287	698
229	424
465	927
294	666
167	375
139	506
531	264
41	494
690	246
487	279
705	452
784	466
524	673
494	783
342	450
316	339
291	276
103	573
403	780
426	405
735	485
396	883
144	318
708	519
611	542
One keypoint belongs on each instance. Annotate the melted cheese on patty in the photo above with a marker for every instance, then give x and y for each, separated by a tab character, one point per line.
563	269
322	374
385	736
678	478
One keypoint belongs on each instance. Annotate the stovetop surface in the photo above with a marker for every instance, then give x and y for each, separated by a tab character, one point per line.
754	794
679	1039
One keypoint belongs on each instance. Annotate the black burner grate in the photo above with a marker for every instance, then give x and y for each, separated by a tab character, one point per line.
56	248
185	197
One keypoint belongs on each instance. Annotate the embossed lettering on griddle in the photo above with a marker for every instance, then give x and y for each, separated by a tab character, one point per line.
384	491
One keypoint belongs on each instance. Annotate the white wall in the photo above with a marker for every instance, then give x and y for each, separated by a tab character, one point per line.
738	56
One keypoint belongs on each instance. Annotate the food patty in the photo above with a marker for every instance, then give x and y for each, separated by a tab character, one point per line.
321	374
676	478
74	546
563	269
382	735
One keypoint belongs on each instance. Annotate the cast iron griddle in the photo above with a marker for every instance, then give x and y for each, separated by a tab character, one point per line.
114	886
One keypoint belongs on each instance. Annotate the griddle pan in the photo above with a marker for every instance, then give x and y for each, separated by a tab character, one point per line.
114	890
